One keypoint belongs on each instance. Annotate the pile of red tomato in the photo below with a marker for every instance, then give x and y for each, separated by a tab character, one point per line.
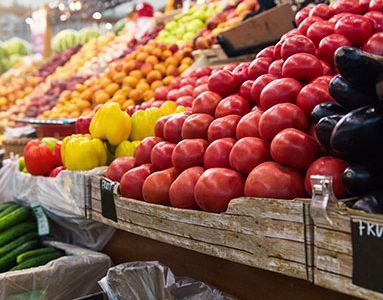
248	131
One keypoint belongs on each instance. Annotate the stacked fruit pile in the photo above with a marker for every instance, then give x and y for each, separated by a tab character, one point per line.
231	16
251	133
19	242
129	81
184	27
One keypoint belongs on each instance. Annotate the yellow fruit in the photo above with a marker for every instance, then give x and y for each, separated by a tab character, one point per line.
136	95
101	97
148	94
182	68
171	61
104	82
143	86
153	76
161	68
142	56
178	56
86	95
172	70
187	61
120	99
130	81
146	68
80	87
156	52
112	88
136	73
156	84
166	53
152	60
127	103
119	77
167	80
129	66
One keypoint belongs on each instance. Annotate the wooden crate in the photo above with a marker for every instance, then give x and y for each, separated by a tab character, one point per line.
264	233
14	146
333	253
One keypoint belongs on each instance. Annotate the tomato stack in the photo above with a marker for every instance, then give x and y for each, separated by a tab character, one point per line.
248	131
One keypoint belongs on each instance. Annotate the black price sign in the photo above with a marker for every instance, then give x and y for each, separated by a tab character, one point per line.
108	207
367	254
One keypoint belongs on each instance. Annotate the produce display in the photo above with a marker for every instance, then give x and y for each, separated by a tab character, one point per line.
69	38
128	81
184	27
11	51
232	15
20	247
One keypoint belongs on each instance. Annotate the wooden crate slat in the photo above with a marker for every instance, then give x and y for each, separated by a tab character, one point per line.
334	262
332	240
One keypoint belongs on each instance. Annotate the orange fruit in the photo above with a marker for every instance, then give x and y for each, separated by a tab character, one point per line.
143	86
112	88
160	67
142	56
178	56
136	73
104	82
148	94
80	87
167	80
86	95
166	53
101	97
157	52
171	61
119	77
153	76
183	67
156	84
146	68
152	60
129	66
136	95
119	99
187	61
127	104
130	81
172	71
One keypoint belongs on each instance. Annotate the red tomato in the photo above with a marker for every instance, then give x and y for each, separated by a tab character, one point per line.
202	80
223	127
156	186
229	67
276	68
258	67
357	29
241	72
376	5
186	90
173	95
311	95
376	18
181	192
245	90
328	46
375	44
266	52
325	79
200	89
161	155
248	153
345	6
195	126
320	30
327	68
302	14
217	153
186	101
328	166
279	117
322	10
363	5
272	180
294	148
304	26
132	181
223	82
216	187
173	127
119	167
189	153
337	17
206	103
302	67
297	44
144	149
232	105
161	93
277	49
248	125
259	84
279	91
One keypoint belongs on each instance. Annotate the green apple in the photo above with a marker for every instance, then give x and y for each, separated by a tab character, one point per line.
172	25
180	30
188	37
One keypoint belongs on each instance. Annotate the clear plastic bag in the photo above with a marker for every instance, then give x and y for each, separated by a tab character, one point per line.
153	281
72	276
64	199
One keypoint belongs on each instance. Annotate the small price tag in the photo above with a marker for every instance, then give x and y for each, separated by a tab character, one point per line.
42	220
108	206
367	258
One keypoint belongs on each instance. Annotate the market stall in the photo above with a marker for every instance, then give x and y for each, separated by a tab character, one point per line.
237	142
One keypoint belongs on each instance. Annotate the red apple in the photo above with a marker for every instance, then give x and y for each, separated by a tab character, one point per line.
248	125
173	95
223	127
218	152
200	89
159	127
161	155
223	82
245	90
258	67
189	153
119	166
133	180
241	72
144	149
173	127
232	105
196	126
161	93
186	101
206	103
186	90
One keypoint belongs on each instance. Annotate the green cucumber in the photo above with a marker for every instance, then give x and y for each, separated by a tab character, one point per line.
37	252
17	242
8	261
16	231
9	209
37	261
6	205
15	217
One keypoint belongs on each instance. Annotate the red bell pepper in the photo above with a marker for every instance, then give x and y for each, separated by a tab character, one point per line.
41	157
56	171
82	124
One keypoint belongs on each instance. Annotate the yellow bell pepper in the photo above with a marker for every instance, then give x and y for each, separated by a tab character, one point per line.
126	148
168	107
180	109
81	152
143	122
111	123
